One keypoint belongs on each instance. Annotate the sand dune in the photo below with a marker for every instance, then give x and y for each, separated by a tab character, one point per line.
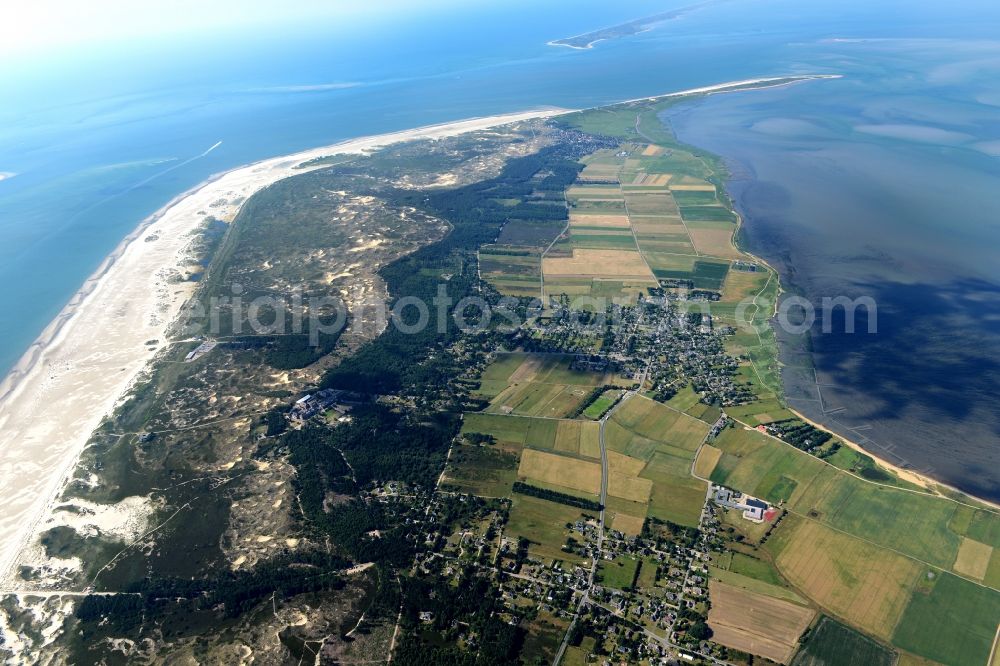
85	360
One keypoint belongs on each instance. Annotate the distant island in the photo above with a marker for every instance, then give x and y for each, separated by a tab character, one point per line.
610	467
633	27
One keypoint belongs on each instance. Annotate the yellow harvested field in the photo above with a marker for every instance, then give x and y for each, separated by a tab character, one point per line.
598	175
610	221
626	524
590	440
582	475
756	623
619	462
866	585
528	369
651	179
708	458
659	225
973	558
651	202
568	436
599	171
715	242
740	284
604	232
629	487
600	191
578	438
652	151
599	263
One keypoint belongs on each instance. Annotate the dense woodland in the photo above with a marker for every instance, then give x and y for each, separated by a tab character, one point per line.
555	496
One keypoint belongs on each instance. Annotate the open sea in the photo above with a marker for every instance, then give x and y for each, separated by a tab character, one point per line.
883	183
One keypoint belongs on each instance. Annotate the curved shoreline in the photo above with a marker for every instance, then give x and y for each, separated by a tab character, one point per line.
931	485
88	357
86	360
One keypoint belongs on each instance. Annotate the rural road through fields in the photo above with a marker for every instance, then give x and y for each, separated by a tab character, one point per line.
585	598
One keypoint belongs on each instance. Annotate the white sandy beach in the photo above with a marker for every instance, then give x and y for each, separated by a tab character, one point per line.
738	86
85	360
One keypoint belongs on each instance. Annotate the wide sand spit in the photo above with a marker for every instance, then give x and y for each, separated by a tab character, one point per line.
84	362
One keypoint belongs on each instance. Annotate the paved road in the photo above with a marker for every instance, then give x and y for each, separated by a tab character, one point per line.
585	597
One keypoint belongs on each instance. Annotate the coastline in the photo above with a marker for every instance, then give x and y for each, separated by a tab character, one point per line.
929	484
740	86
86	360
89	356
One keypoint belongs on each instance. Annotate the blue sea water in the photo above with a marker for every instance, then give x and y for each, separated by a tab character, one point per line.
883	185
100	138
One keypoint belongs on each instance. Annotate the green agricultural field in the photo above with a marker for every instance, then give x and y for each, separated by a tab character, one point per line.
684	400
650	419
651	203
497	374
992	578
537	385
677	496
955	623
621	439
513	271
754	585
705	274
760	411
985	527
603	403
541	433
647	574
539	399
914	524
682	263
488	470
503	428
544	634
616	121
834	644
543	524
602	241
618	573
666	439
709	213
753	567
910	523
868	586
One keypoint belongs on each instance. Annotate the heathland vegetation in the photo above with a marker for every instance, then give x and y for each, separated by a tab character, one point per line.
503	495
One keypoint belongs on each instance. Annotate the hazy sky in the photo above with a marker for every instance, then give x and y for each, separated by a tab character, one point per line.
27	28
